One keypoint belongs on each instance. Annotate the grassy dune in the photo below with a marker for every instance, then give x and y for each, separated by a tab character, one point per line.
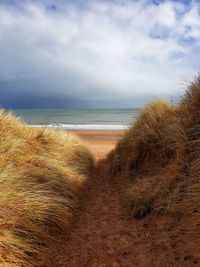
160	158
152	152
42	173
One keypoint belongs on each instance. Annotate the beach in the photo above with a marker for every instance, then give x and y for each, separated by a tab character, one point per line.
100	142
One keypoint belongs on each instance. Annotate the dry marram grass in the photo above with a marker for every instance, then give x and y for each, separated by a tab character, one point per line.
160	154
41	175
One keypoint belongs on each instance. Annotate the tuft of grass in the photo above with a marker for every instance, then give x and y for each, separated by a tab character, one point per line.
42	173
160	154
157	133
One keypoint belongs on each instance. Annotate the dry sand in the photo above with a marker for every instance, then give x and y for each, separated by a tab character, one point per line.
100	142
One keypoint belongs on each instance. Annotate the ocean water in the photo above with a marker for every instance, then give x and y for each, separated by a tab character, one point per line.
79	119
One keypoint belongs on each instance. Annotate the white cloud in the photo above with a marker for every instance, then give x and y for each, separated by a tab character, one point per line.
101	50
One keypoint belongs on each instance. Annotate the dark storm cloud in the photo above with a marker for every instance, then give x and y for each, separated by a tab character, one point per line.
95	53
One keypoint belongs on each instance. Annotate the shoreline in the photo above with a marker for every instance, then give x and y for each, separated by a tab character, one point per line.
83	127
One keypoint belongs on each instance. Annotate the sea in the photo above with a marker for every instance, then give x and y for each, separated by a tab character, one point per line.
78	119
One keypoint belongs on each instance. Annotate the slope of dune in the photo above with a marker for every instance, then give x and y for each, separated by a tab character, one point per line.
42	174
160	157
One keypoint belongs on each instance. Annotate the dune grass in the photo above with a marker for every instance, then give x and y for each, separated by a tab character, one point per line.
160	154
42	173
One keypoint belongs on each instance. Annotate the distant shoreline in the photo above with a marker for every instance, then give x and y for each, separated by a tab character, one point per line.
82	127
93	119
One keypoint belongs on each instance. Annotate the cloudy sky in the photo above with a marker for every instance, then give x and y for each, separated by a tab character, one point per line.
96	53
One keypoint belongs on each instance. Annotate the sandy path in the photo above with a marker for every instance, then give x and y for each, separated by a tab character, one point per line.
102	235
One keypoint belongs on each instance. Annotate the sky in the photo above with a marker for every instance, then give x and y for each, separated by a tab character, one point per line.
96	53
